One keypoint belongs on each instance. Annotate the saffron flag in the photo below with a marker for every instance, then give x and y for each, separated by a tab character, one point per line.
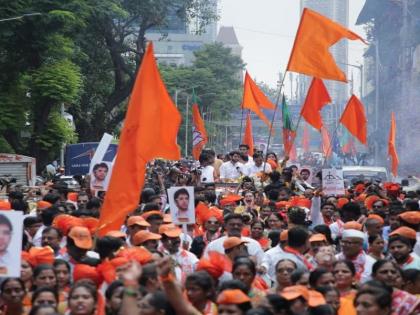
150	129
255	100
305	139
248	137
326	142
316	99
310	54
354	119
289	133
392	150
199	131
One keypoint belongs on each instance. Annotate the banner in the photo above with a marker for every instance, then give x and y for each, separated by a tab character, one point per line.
332	181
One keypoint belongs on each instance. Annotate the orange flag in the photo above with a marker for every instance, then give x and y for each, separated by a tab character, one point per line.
310	54
316	99
354	119
150	129
392	150
254	99
306	140
199	132
248	137
326	142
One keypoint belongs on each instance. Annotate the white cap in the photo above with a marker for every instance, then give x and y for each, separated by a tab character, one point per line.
353	233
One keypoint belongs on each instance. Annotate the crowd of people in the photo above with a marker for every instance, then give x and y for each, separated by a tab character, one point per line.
267	241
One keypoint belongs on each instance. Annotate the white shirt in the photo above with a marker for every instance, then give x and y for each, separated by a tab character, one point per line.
231	171
253	169
207	174
271	258
186	262
37	239
367	268
254	248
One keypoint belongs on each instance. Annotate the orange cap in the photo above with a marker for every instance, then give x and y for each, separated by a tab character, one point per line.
82	271
313	298
147	214
369	201
139	254
405	232
232	242
284	235
43	205
352	225
143	236
116	233
377	218
72	196
283	204
411	217
234	296
81	237
230	199
39	255
341	202
167	218
137	220
170	230
5	205
360	188
317	238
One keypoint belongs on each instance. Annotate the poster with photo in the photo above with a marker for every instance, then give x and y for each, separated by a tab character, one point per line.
11	230
100	170
181	204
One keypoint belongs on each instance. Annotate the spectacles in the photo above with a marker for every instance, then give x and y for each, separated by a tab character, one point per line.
350	243
212	222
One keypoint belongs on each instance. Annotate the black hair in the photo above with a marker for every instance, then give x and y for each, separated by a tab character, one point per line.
151	206
51	228
274	237
297	275
328	203
285	259
201	279
411	275
402	239
88	285
112	287
326	231
232	285
7	280
39	291
315	275
274	176
296	215
382	297
411	205
232	153
373	238
146	194
204	157
232	216
160	301
257	155
210	196
297	237
379	263
52	198
260	310
5	221
352	207
99	165
40	268
93	203
29	221
244	261
271	153
182	191
325	290
107	245
243	145
149	271
278	303
59	262
323	309
49	214
349	265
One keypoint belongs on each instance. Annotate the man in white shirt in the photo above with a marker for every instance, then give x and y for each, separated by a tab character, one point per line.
232	169
258	166
233	226
206	168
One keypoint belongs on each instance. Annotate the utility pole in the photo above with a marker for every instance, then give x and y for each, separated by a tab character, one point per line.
186	126
377	86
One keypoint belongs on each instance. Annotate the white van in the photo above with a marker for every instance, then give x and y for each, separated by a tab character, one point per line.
365	172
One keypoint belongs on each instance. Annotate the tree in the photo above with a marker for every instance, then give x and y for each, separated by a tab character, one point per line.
38	75
216	79
113	44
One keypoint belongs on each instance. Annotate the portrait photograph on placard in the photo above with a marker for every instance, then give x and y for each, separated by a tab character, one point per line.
11	229
181	203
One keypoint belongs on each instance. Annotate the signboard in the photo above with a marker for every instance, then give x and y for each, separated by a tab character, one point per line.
332	181
11	229
181	203
78	157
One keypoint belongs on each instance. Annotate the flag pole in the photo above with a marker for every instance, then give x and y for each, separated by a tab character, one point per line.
242	120
275	110
331	144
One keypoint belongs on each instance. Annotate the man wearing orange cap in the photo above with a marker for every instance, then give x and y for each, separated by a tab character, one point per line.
171	245
233	225
401	243
135	224
79	245
235	247
147	239
411	219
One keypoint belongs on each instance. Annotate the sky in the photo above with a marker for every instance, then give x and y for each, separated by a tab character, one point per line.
266	31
